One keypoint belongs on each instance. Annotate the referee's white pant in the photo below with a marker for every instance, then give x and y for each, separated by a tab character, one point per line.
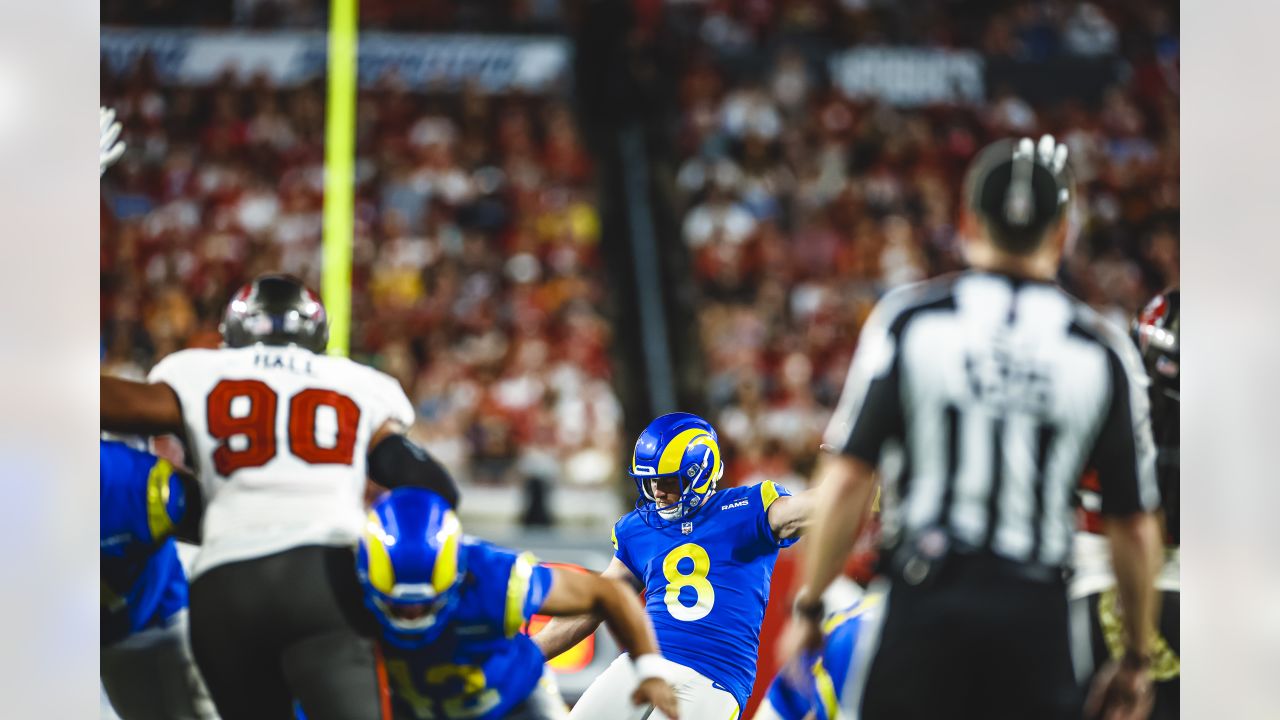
609	697
150	675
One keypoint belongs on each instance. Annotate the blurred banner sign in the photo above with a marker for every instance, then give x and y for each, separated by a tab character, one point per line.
492	63
910	77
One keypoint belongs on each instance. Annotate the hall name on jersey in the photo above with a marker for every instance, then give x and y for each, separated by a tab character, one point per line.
280	361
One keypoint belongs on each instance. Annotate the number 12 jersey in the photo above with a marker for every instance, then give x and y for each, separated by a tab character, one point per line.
279	437
707	581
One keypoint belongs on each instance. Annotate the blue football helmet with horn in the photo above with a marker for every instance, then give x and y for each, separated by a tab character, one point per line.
410	564
677	447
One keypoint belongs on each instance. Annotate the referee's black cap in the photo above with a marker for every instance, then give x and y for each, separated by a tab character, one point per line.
1020	188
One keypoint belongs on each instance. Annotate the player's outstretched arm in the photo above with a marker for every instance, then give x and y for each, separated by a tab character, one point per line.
596	596
567	629
127	406
845	488
396	461
790	515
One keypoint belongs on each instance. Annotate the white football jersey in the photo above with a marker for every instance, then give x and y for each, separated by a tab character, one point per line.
279	437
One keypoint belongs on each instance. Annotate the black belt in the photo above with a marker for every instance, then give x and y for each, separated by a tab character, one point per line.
983	561
922	560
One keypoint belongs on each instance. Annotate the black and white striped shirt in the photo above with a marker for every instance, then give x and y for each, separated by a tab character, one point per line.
982	398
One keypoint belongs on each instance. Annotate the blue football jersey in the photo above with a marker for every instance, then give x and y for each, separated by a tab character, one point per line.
825	675
788	699
142	580
706	581
483	665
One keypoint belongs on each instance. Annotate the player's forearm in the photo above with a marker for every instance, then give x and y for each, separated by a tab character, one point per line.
843	494
127	406
625	617
1135	556
563	633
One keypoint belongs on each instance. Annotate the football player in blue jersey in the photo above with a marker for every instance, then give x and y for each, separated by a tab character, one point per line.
705	559
146	663
451	610
813	688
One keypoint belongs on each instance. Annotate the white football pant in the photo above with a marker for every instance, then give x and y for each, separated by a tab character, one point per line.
609	697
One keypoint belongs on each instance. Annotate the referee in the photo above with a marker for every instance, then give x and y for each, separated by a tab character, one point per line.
980	398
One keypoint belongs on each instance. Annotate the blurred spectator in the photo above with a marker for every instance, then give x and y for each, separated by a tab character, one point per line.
1089	32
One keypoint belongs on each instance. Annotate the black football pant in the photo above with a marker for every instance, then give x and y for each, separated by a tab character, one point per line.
978	641
291	625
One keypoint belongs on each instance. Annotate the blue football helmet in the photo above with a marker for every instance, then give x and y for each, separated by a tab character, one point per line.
411	565
679	446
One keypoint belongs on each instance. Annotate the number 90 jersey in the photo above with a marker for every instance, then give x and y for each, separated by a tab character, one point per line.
279	436
706	581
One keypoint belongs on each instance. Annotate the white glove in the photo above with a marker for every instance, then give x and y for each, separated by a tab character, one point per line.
110	146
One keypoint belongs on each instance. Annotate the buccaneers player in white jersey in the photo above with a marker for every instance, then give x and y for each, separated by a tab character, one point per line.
283	438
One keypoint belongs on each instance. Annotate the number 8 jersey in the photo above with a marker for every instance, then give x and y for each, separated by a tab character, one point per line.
706	581
279	437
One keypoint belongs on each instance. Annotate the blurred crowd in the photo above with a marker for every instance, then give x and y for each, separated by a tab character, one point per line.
475	259
801	206
477	276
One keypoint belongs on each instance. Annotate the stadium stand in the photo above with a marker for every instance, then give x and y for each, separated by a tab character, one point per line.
477	279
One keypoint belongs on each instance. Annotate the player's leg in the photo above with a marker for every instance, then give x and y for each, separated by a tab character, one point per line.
233	643
151	676
333	677
609	695
544	703
328	658
699	698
